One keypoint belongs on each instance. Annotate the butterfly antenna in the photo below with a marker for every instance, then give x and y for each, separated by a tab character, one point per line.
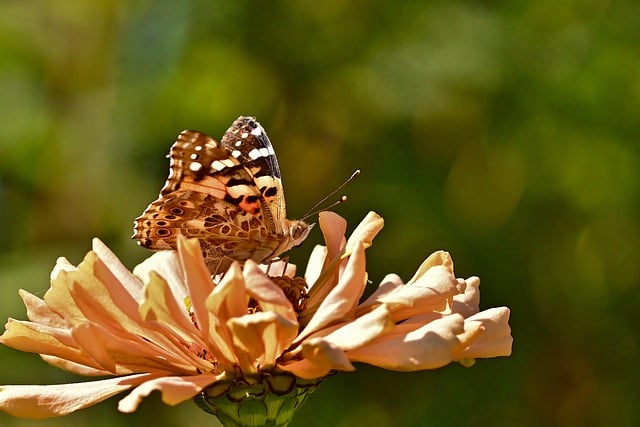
314	210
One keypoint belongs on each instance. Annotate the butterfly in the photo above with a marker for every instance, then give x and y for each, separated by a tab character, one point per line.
228	194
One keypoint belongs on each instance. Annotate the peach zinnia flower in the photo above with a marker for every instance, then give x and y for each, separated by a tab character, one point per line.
170	326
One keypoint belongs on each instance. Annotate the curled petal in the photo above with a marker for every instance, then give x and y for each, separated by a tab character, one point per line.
44	401
496	338
430	292
437	258
319	358
58	297
333	227
174	390
362	330
62	264
165	264
468	302
364	233
260	338
431	346
39	312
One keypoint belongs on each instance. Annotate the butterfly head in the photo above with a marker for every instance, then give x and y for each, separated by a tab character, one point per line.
298	230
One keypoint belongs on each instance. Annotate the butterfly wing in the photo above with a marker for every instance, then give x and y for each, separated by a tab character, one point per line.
247	141
229	195
209	195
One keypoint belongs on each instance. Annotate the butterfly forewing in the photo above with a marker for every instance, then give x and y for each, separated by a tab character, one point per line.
248	142
228	195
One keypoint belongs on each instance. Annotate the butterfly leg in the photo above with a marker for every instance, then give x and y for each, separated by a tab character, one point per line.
281	269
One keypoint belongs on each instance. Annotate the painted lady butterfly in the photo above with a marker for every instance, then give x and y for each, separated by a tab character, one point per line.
228	194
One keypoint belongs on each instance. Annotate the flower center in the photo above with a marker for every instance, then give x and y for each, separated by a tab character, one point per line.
295	289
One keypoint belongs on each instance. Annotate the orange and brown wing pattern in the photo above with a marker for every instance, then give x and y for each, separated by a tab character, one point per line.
205	186
229	195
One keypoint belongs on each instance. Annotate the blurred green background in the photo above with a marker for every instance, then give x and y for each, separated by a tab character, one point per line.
504	132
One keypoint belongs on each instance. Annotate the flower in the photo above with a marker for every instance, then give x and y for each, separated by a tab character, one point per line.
169	326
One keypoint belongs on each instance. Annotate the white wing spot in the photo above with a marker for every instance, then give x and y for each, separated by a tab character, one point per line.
254	154
193	156
259	152
217	165
257	131
244	134
198	148
195	166
236	153
238	143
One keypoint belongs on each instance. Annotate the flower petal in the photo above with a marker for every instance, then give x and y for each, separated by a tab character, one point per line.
260	338
165	264
228	300
437	258
268	295
160	306
315	265
341	301
62	264
468	302
362	330
364	233
319	358
126	353
174	390
197	278
73	367
430	292
333	228
35	338
496	338
322	269
44	401
389	284
111	270
431	346
39	312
